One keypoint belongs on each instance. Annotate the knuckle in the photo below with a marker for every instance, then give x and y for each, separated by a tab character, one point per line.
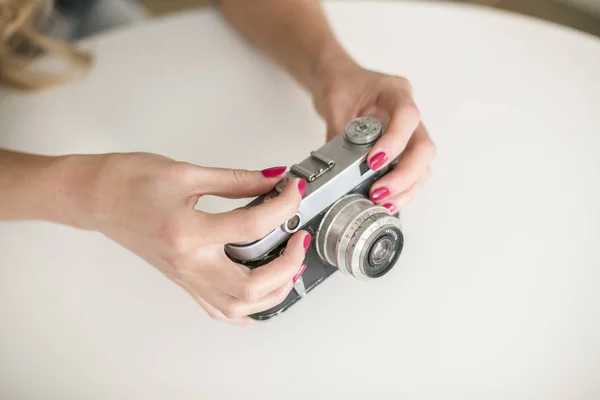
283	294
403	83
427	149
398	83
215	315
411	111
406	84
240	176
293	256
175	238
279	295
231	310
401	181
287	258
290	208
179	172
288	203
398	182
249	291
254	228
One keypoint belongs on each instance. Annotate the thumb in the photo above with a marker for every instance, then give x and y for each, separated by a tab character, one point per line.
236	183
336	122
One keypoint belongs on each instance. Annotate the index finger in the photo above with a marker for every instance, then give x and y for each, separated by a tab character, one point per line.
404	120
248	224
284	268
259	282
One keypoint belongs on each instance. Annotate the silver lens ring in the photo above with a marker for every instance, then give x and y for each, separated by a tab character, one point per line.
363	239
346	246
334	223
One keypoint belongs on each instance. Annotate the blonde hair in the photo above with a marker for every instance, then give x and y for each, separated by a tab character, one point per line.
21	41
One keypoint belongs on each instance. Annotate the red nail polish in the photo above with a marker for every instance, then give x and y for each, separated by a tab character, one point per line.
302	187
273	172
307	240
390	207
299	274
380	194
378	160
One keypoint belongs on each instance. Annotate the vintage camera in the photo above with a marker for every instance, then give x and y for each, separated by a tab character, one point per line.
350	233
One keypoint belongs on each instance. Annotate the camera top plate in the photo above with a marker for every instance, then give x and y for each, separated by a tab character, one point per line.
331	172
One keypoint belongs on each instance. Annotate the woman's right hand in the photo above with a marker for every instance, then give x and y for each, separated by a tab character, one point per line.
145	202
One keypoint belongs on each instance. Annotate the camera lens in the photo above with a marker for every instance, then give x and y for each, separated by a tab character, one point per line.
360	238
380	252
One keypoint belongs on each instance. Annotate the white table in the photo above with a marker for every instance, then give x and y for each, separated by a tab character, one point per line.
495	296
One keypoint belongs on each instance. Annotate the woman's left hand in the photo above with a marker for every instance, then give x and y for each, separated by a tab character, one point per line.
346	91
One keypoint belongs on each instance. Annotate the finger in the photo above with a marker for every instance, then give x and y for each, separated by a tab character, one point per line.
209	308
236	183
338	117
400	201
278	272
414	161
263	287
243	322
404	119
235	309
250	285
255	222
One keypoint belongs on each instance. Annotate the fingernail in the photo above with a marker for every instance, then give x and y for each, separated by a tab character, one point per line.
380	194
299	274
273	172
302	187
390	207
307	240
378	160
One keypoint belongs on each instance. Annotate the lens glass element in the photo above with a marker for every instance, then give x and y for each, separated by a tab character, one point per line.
383	253
380	251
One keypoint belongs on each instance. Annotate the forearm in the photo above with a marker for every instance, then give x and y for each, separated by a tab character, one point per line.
294	33
30	187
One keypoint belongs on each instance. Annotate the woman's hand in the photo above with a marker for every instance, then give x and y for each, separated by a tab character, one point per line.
345	91
297	35
146	203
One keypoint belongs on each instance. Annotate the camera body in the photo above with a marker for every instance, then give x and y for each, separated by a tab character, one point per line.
350	233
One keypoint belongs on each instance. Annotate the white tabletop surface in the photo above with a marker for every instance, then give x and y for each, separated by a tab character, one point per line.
495	296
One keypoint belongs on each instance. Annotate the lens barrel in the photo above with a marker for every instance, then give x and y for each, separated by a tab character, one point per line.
360	238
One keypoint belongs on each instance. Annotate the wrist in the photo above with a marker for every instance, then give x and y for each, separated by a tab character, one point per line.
32	187
78	188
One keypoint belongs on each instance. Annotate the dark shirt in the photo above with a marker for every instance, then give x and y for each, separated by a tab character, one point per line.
75	7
